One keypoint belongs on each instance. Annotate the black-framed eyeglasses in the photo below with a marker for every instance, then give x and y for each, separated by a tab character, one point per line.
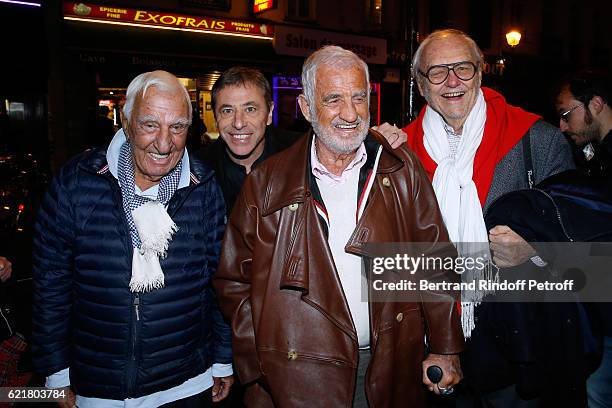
464	70
564	116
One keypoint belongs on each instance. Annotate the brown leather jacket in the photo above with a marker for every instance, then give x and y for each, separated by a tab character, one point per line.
294	341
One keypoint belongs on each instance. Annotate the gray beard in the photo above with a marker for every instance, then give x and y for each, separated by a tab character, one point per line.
340	146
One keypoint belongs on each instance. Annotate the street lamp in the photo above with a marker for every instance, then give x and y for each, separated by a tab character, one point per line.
513	38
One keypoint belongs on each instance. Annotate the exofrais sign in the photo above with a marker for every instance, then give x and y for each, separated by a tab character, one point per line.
94	13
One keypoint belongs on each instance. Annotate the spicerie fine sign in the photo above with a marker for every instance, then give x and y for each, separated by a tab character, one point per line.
156	19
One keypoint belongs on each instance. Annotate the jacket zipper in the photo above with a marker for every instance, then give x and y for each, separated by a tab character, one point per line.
132	363
558	214
559	218
137	307
333	361
131	371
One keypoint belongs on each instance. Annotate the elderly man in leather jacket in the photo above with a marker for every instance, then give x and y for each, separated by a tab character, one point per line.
290	271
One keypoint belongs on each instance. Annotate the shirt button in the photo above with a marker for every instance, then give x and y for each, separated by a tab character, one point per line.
386	182
293	207
292	355
399	317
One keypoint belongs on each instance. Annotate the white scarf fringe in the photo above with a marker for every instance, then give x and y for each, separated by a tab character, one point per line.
155	229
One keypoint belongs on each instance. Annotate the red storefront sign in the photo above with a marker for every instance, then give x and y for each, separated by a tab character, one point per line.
263	5
163	20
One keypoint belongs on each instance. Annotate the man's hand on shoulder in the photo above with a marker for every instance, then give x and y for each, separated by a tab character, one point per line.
394	135
509	249
221	387
451	371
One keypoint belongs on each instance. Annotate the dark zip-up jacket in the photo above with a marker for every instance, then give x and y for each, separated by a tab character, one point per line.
118	344
230	175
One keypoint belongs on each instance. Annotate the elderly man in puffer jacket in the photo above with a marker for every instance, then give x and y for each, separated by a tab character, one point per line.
127	241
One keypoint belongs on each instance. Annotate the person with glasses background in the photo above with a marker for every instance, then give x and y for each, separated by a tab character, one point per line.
585	116
469	141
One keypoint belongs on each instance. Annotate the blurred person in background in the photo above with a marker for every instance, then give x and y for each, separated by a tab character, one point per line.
585	115
103	128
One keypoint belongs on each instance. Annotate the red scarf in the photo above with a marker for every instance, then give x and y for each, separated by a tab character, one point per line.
504	127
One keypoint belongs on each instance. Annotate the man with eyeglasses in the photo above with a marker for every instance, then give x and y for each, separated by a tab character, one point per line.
472	144
585	115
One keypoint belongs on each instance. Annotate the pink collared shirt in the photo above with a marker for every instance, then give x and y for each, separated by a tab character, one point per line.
341	200
321	173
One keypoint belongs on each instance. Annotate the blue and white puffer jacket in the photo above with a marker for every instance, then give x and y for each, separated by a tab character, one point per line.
119	344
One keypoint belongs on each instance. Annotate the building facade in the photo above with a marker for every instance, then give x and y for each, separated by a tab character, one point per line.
68	61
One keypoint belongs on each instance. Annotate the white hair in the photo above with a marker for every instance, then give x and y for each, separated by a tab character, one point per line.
331	55
441	34
162	80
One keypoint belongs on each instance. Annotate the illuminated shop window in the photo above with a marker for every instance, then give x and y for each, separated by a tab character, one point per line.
375	12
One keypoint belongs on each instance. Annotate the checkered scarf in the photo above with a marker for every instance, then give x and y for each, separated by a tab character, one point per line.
131	201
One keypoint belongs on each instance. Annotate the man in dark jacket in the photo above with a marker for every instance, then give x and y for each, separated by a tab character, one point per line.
585	114
243	107
127	241
290	274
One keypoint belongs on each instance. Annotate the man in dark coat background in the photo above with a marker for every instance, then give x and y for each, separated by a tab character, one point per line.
585	115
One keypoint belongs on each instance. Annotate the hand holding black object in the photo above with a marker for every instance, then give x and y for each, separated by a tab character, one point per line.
448	367
435	374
